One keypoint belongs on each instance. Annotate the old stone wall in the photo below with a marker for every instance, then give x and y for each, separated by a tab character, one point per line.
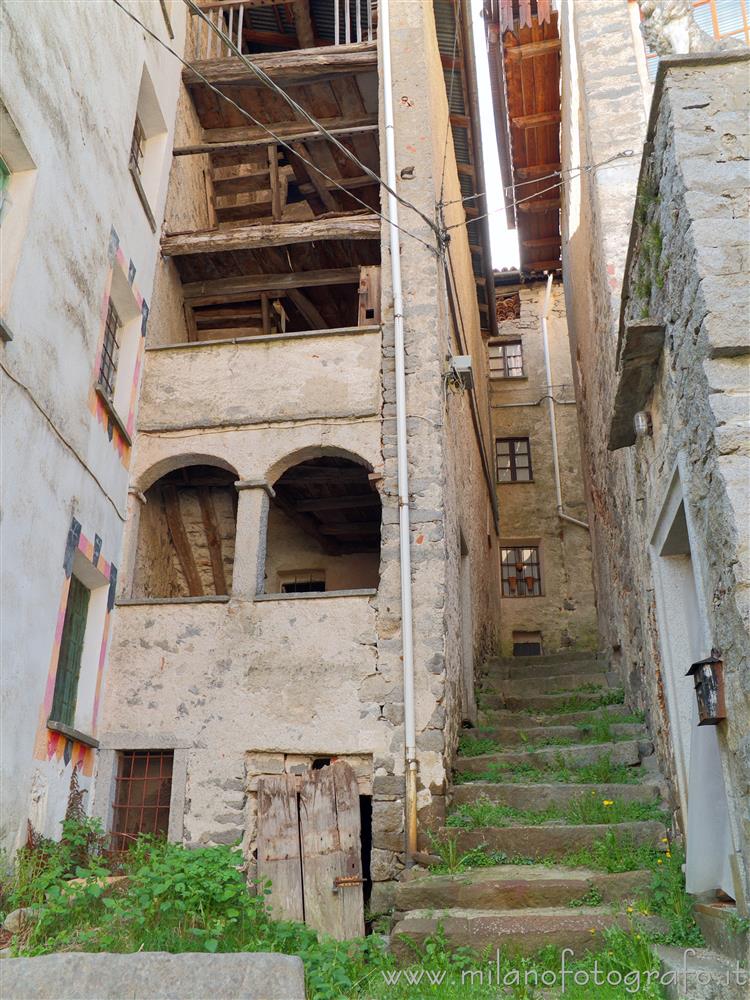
74	229
565	613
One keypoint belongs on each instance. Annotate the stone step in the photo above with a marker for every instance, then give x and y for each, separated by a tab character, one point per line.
514	887
541	702
567	656
543	797
553	840
508	669
701	974
543	734
550	684
524	932
521	720
715	921
628	752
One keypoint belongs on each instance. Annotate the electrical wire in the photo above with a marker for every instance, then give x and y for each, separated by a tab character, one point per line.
272	85
270	132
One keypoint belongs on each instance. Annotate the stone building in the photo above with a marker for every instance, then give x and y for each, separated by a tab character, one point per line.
258	634
86	113
654	268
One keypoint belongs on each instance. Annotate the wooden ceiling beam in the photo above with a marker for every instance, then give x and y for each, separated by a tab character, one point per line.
339	503
256	237
351	528
308	309
295	66
542	241
264	138
213	540
303	24
539	205
307	523
251	283
306	162
542	265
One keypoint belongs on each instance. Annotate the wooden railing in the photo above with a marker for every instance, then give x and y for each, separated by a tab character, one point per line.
339	22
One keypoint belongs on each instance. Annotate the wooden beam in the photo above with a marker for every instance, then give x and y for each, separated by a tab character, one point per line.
308	310
296	66
180	541
303	24
338	124
542	265
347	227
307	523
339	503
316	179
535	121
539	205
265	314
542	241
273	173
538	170
350	183
531	49
242	184
213	540
351	528
264	282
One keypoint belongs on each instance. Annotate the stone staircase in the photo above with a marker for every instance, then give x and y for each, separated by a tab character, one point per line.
534	746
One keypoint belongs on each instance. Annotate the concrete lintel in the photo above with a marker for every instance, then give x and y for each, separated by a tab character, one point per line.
73	734
639	360
316	595
340	331
134	740
213	599
255	484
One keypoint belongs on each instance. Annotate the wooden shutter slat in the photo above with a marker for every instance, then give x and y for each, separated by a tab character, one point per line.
71	651
278	845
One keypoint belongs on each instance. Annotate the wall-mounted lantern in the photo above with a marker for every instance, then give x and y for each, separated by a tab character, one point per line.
708	676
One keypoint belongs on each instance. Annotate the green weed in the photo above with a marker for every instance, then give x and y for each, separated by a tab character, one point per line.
471	746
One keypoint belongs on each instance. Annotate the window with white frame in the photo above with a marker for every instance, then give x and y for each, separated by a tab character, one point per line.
148	143
119	349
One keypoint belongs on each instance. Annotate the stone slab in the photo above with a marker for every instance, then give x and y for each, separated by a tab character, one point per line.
154	976
543	796
701	974
509	736
521	720
627	752
553	840
546	684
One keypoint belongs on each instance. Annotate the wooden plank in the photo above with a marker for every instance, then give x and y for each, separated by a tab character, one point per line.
227	146
347	227
308	309
273	173
534	121
330	836
542	241
337	124
279	857
350	528
316	179
369	296
292	67
180	540
339	503
350	183
542	265
213	540
241	184
265	314
303	24
531	49
219	287
539	205
538	170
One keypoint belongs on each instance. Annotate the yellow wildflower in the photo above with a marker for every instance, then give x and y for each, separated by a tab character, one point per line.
630	909
659	861
669	855
665	840
607	802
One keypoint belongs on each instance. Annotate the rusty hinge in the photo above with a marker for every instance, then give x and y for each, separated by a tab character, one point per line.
343	881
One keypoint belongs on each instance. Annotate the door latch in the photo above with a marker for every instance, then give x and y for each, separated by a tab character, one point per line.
343	881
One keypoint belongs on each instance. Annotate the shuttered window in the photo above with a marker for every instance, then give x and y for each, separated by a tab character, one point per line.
71	650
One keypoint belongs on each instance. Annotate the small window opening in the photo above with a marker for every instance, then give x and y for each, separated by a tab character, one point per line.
302	583
506	359
110	350
521	575
143	789
71	650
527	643
320	762
513	460
137	145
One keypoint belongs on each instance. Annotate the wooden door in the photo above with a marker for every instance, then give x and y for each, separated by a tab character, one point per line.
309	847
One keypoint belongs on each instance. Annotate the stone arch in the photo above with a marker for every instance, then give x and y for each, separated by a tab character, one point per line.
182	460
312	451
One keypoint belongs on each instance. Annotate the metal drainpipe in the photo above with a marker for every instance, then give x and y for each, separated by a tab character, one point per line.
551	410
407	634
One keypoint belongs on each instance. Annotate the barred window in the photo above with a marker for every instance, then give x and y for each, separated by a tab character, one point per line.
506	359
303	583
143	789
513	460
110	350
137	144
521	575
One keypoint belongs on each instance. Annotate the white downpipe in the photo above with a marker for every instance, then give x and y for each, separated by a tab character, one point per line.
551	410
407	633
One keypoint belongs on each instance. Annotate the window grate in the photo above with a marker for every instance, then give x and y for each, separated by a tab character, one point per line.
110	350
71	650
303	583
513	460
143	789
137	144
521	572
506	359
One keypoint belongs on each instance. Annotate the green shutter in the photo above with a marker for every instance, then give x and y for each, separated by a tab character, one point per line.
71	649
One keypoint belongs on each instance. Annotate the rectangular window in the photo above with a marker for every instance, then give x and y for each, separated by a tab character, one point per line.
506	359
513	460
143	789
521	572
71	649
110	350
137	144
302	583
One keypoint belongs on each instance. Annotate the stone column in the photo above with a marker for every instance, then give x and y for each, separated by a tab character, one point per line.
250	538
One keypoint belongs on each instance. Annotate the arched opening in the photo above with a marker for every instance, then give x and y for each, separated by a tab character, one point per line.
323	529
186	534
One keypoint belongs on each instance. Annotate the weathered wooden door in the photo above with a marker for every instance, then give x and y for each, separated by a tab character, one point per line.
309	847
